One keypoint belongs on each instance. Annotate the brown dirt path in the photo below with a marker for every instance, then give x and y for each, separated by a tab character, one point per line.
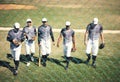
15	6
76	30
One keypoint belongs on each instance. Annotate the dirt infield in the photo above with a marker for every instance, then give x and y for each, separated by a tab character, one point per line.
14	6
76	30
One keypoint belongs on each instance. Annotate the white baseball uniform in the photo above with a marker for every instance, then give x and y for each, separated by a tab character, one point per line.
44	35
15	49
94	31
29	43
67	41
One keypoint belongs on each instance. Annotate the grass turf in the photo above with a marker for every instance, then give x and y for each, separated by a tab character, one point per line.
107	70
107	12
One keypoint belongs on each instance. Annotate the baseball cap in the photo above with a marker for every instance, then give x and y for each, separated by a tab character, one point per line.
68	23
16	25
28	20
44	19
95	20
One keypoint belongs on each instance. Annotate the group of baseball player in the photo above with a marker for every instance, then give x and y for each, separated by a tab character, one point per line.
16	37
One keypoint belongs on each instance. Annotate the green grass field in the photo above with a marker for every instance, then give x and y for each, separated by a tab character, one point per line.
108	64
108	60
107	12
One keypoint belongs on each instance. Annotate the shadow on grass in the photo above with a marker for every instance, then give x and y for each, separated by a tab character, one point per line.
7	65
23	58
56	61
74	60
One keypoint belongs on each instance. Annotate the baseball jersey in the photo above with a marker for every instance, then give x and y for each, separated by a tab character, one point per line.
94	31
45	32
30	32
13	34
67	35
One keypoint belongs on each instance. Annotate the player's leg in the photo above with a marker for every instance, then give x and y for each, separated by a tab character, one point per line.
43	52
48	48
28	58
68	54
64	50
32	50
17	59
94	52
88	51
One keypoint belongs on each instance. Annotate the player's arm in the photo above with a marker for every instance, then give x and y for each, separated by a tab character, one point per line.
86	35
73	40
9	37
59	39
101	35
22	37
24	33
35	32
51	34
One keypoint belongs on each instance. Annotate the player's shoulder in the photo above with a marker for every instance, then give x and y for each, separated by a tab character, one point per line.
49	26
11	30
63	28
41	26
25	27
72	30
90	24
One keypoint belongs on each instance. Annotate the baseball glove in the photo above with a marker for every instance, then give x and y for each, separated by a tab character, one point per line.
16	42
101	46
73	49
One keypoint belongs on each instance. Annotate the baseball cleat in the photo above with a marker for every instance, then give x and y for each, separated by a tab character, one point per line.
32	59
15	72
28	63
94	65
67	66
44	64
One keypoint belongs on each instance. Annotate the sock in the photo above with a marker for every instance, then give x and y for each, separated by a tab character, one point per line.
32	54
16	64
67	60
28	57
43	58
88	55
94	58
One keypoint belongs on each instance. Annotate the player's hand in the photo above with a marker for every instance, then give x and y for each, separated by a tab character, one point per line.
73	49
33	38
16	42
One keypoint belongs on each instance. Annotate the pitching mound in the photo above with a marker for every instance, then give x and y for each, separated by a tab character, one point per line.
14	6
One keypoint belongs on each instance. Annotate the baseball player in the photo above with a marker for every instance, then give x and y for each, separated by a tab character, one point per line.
44	42
68	41
15	37
30	34
91	40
